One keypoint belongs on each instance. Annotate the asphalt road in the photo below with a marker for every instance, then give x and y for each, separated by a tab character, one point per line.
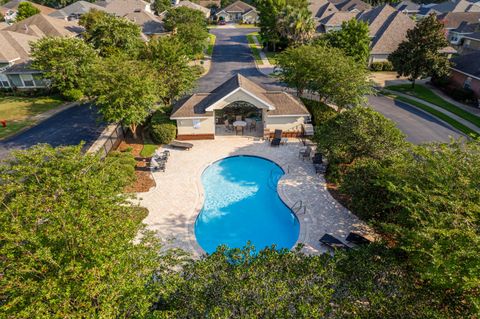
70	127
420	127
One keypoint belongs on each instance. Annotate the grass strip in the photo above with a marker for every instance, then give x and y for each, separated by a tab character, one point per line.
253	46
428	95
459	126
211	43
149	148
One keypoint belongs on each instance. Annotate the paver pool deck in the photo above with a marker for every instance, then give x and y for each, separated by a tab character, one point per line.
177	199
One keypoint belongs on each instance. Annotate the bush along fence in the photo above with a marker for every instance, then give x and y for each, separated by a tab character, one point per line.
110	138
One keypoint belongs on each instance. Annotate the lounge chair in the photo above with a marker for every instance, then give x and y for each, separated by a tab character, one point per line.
181	145
332	242
277	138
320	168
157	165
358	239
306	153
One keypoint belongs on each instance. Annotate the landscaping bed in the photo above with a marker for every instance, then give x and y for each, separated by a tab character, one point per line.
22	112
143	177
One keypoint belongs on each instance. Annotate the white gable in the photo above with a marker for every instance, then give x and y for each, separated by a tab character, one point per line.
241	94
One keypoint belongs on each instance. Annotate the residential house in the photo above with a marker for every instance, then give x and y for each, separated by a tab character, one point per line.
122	7
9	9
448	6
330	14
151	25
388	28
462	29
206	115
465	72
75	10
238	11
408	7
210	3
185	3
15	64
352	6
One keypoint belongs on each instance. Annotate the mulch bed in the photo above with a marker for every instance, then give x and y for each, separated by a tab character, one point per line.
144	180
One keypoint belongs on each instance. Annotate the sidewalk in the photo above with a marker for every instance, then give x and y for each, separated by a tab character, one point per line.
266	68
457	118
467	108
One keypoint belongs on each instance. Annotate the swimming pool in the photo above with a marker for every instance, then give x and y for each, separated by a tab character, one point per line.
242	204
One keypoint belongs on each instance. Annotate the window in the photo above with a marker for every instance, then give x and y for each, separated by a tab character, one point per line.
4	81
468	83
27	80
196	124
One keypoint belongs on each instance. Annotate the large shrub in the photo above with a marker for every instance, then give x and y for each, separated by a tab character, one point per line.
381	66
320	112
359	132
161	129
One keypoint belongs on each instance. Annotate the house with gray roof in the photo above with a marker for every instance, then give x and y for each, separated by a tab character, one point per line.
191	5
465	72
408	7
449	6
75	10
122	7
151	24
239	100
9	9
462	29
238	11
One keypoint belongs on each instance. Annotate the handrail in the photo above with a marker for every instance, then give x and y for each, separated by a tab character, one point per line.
300	207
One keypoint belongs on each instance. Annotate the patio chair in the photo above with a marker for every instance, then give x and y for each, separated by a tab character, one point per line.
156	166
320	168
317	158
277	138
358	239
332	242
181	145
228	126
306	153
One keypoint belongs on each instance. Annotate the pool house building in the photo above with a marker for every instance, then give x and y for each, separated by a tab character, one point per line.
240	107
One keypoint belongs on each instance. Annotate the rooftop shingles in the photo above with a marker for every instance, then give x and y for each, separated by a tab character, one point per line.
238	6
41	25
469	64
196	105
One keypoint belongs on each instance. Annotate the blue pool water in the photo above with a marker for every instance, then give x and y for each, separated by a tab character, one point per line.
242	204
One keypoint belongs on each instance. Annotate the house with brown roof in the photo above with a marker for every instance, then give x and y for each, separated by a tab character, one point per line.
448	6
462	29
15	69
75	10
239	106
122	7
152	25
238	11
9	10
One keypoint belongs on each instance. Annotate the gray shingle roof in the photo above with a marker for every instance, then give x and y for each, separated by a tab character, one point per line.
77	8
239	6
149	23
469	64
350	5
196	105
123	7
191	5
453	20
15	46
13	5
407	5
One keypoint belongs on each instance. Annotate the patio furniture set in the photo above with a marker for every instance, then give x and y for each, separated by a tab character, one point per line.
158	162
239	125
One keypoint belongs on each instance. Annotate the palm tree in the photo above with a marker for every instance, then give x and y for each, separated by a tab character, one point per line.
297	25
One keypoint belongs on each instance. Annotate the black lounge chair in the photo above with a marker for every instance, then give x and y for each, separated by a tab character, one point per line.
181	145
358	239
332	242
277	138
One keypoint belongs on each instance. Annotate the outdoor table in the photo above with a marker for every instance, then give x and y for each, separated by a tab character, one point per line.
242	124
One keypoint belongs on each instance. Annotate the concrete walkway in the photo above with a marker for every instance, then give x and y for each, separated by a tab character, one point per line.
457	118
178	197
266	68
467	108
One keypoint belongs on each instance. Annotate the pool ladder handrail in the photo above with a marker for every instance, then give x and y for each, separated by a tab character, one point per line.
300	207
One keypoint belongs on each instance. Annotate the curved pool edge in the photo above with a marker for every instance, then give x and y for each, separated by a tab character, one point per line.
195	246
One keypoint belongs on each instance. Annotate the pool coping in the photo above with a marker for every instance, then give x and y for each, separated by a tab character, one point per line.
195	246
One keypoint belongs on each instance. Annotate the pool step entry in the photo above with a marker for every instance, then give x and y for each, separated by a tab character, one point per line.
298	207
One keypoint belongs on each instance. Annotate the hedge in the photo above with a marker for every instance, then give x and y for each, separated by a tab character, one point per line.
320	112
381	66
162	130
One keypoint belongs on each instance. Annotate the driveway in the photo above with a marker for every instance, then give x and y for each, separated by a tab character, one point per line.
70	127
232	55
420	127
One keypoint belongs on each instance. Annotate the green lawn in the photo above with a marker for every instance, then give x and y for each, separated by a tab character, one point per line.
253	46
149	148
426	94
211	43
459	126
19	111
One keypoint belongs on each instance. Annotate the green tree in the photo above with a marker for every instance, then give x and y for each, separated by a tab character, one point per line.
325	71
296	25
353	38
420	56
25	10
111	35
190	26
169	57
160	6
125	91
359	132
66	62
68	238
